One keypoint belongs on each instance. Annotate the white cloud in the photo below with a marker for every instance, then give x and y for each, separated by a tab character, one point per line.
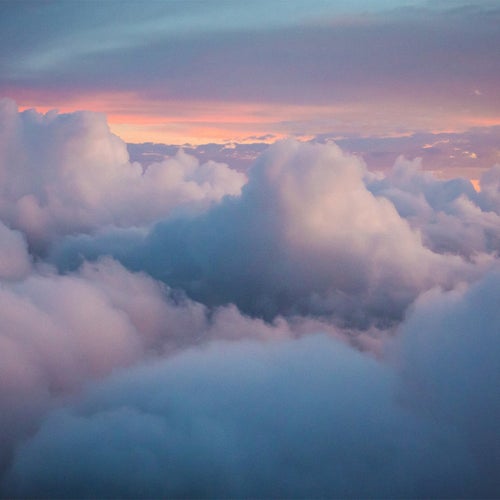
63	174
58	333
307	417
114	384
307	236
450	214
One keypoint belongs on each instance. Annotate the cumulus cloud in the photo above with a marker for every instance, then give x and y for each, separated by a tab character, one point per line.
290	418
302	418
450	214
311	233
323	331
58	333
62	174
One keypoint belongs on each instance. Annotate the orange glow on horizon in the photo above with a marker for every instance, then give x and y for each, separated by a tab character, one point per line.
136	119
197	123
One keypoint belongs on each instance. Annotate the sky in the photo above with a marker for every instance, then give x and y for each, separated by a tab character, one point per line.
249	249
219	71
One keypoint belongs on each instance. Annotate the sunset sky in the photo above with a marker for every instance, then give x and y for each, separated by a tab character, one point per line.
249	249
220	71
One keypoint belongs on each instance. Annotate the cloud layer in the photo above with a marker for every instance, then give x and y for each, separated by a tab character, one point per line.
321	331
58	333
314	232
290	418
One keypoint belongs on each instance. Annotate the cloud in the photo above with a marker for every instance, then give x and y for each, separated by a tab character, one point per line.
68	173
15	262
290	418
449	363
241	420
446	154
59	333
322	331
451	215
490	189
313	233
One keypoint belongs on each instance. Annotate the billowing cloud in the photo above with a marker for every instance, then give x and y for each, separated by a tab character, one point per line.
313	232
322	331
63	174
58	333
451	215
244	420
290	418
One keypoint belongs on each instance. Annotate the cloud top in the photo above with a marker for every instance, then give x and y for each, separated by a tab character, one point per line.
68	173
314	232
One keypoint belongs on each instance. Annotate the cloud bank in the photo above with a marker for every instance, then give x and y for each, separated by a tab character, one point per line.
315	233
65	174
58	333
292	418
321	330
